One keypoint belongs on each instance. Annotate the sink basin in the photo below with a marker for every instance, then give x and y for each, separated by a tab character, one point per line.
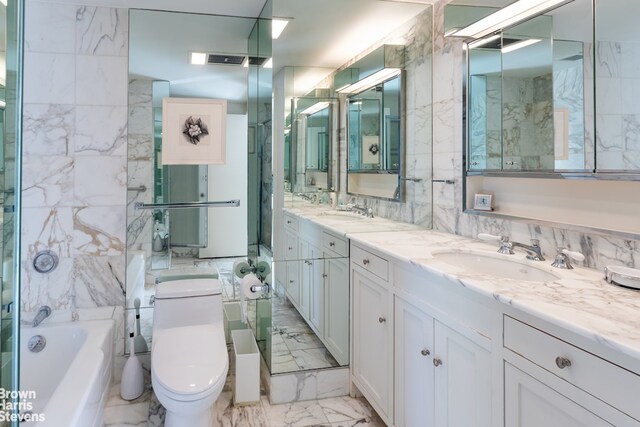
495	265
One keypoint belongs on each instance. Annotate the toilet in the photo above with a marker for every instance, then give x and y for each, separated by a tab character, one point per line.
189	360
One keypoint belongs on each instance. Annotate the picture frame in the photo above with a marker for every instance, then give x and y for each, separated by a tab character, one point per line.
194	131
483	202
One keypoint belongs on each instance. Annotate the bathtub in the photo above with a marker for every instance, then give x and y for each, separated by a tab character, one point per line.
71	375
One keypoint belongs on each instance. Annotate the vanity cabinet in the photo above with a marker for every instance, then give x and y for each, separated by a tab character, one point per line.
318	283
372	365
422	355
551	382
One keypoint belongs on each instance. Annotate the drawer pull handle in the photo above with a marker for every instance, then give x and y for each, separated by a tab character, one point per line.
425	352
381	319
562	362
437	362
365	261
332	243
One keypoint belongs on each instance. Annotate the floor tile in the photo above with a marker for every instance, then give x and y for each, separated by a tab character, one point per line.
297	414
126	415
339	409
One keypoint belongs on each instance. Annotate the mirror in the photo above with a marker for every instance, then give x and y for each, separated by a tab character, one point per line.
617	68
162	241
527	106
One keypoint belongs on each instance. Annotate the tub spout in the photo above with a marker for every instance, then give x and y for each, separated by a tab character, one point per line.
43	313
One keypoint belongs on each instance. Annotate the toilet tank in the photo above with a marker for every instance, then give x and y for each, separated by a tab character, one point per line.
187	302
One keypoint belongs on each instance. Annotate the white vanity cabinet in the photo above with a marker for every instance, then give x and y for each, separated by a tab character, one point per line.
318	282
421	355
551	382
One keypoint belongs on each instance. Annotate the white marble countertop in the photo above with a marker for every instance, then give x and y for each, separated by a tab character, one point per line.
579	301
343	223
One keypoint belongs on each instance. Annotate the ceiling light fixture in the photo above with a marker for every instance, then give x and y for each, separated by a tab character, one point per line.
315	108
277	27
245	63
4	2
372	80
508	16
519	45
197	58
268	63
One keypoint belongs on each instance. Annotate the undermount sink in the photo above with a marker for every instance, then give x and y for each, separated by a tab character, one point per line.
495	265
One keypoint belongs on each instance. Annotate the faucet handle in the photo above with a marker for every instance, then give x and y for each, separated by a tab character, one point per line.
535	242
563	259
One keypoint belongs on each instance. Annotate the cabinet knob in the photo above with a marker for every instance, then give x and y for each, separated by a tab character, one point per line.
332	243
381	319
290	281
365	261
425	352
290	248
324	276
288	222
437	362
562	362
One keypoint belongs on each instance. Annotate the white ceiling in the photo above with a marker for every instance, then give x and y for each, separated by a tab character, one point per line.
324	34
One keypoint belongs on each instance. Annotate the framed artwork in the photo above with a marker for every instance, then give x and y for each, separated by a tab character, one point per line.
483	202
194	131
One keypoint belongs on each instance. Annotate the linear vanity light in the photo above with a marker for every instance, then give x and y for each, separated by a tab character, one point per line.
315	108
483	42
372	80
519	45
508	16
277	27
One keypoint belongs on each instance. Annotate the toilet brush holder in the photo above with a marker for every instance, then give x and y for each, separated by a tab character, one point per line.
132	384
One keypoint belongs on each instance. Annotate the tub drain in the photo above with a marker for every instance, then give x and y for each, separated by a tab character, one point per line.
37	343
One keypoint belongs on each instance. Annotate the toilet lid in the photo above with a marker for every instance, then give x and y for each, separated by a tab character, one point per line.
190	360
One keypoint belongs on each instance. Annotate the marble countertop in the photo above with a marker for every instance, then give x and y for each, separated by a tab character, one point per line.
579	301
343	223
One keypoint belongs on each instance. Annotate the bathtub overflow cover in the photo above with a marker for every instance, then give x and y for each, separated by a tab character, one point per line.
45	261
37	343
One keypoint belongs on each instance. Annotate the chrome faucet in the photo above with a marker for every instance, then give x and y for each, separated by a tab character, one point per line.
534	251
43	313
368	212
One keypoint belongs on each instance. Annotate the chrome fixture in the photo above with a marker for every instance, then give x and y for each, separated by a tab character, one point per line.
36	343
43	313
506	246
309	197
362	210
534	251
221	204
444	181
562	362
45	261
260	288
139	189
405	178
563	259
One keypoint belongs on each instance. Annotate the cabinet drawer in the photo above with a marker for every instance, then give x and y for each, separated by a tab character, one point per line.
336	244
291	221
598	377
370	262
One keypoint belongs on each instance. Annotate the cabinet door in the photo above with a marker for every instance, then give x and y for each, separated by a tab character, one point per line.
316	291
530	403
373	352
413	381
336	309
305	278
293	282
462	379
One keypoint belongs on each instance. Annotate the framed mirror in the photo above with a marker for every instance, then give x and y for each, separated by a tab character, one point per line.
375	137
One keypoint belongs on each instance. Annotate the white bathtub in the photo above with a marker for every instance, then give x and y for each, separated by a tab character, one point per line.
71	375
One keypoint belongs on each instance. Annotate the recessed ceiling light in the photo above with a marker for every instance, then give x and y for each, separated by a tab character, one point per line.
277	27
197	58
268	63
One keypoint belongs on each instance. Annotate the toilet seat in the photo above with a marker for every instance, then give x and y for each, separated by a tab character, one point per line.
189	362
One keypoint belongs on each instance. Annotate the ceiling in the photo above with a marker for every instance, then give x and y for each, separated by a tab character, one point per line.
324	34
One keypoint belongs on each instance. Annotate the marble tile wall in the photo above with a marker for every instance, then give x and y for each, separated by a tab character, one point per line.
600	249
416	207
140	165
75	154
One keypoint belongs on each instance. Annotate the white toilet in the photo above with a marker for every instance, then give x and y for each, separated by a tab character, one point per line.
189	360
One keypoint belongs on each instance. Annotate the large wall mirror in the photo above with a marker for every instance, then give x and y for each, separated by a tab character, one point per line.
543	98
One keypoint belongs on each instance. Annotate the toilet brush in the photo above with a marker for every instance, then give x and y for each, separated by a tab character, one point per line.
140	344
132	384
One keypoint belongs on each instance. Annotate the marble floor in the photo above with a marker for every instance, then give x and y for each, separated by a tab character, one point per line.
333	412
